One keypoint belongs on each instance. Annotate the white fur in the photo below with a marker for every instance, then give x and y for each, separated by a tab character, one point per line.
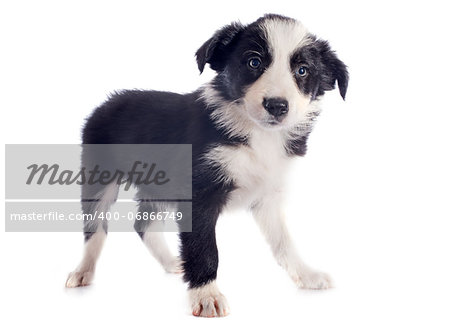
106	197
207	301
270	218
277	81
156	244
228	116
258	169
154	239
84	273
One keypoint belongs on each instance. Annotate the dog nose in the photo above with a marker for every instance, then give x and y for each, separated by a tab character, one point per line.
277	107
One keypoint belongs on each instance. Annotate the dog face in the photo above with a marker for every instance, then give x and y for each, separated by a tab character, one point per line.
274	67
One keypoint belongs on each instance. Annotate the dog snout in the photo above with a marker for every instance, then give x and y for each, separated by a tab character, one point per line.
277	107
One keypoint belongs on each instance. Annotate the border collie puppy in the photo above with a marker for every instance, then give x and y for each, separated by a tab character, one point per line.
244	126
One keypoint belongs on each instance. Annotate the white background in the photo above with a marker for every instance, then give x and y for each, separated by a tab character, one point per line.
369	203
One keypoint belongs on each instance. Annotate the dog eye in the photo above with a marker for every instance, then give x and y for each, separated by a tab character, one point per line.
302	71
254	63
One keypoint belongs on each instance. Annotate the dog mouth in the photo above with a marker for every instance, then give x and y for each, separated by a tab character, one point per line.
269	122
272	122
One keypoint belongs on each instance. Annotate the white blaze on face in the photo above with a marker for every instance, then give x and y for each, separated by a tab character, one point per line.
284	37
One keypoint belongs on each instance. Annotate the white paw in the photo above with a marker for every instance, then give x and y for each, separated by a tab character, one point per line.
207	301
174	266
313	280
79	278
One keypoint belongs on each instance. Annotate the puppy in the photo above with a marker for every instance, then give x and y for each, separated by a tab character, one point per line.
244	127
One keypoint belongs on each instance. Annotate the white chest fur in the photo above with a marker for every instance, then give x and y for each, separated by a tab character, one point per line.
255	169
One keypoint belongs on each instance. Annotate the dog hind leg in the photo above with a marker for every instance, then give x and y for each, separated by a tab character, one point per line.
153	237
95	231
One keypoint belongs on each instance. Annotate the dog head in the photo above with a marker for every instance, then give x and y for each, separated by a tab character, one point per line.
274	67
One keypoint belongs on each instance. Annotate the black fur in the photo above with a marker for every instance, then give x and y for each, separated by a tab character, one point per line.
229	57
150	117
323	68
215	50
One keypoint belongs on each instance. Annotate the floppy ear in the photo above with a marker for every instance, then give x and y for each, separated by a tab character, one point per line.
335	69
214	50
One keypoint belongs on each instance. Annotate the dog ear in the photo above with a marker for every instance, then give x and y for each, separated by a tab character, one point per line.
335	69
214	50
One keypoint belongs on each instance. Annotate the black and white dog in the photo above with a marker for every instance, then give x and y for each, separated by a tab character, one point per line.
244	126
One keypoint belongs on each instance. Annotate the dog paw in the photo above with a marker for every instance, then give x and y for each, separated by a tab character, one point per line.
79	278
207	301
174	266
210	306
314	280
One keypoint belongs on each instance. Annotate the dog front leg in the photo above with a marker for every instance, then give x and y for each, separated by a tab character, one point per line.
269	216
200	261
